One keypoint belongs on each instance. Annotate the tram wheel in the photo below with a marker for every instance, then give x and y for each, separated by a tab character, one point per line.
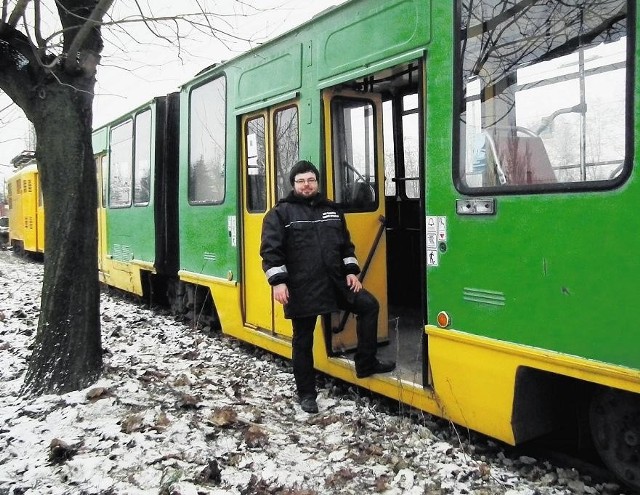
615	426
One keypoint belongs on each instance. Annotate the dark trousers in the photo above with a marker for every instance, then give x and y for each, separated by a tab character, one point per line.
366	309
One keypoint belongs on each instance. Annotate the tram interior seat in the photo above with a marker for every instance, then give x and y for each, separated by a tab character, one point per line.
517	160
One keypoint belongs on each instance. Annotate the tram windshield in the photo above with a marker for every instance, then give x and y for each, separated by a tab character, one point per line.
543	93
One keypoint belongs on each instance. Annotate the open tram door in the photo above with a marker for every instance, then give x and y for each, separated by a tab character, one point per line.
374	150
355	181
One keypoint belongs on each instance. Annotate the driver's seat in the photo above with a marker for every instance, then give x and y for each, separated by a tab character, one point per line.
361	196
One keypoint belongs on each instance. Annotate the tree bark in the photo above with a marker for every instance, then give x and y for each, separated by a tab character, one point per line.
67	354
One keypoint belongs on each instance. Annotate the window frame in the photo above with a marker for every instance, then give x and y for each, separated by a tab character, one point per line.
249	205
135	201
559	187
130	120
219	77
274	139
375	186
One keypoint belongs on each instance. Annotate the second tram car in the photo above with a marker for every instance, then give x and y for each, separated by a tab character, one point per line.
136	162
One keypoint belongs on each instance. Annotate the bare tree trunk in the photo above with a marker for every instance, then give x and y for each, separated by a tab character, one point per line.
56	94
67	354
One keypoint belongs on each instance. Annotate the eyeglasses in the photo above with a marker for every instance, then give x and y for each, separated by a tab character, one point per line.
313	180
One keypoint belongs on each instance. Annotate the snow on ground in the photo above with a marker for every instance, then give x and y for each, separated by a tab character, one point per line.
184	413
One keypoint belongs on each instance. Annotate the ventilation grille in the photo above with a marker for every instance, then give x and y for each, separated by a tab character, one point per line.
483	296
122	253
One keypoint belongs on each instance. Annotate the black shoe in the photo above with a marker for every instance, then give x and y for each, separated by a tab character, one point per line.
309	405
378	367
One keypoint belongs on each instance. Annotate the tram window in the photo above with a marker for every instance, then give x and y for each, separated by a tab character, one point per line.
543	94
207	149
411	144
120	167
389	149
256	165
142	159
354	159
286	147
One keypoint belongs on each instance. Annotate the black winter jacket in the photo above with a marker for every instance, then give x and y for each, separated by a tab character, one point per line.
306	244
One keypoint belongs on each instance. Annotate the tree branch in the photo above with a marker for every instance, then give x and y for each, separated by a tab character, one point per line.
186	18
148	25
94	20
38	34
17	13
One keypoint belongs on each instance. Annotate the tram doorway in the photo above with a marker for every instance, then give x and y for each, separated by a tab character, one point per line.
404	198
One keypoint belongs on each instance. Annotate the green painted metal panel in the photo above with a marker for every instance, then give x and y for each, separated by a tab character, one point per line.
277	72
367	32
208	240
131	230
208	232
130	234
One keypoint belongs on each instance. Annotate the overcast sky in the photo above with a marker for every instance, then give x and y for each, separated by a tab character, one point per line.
136	65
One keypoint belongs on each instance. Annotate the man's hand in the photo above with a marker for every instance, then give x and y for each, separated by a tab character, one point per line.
353	282
281	293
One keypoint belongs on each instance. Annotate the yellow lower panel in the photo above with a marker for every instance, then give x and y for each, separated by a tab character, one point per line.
474	377
545	360
124	276
228	302
474	384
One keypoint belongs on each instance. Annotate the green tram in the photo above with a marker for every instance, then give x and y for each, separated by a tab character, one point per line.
483	152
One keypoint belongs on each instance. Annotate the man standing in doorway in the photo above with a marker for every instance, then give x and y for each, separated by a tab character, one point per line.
310	262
